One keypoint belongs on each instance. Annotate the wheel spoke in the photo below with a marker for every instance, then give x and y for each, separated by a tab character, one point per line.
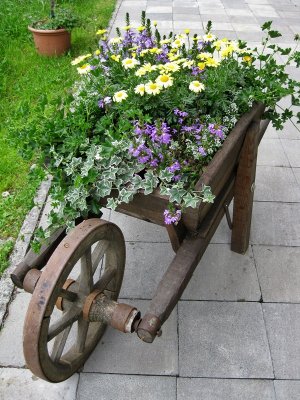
105	279
83	327
98	253
59	344
67	319
86	273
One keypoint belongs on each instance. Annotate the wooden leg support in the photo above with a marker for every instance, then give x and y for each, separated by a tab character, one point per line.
244	190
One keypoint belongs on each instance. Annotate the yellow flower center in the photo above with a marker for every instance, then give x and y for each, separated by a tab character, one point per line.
164	78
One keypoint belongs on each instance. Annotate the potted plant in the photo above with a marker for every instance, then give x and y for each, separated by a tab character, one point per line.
150	112
52	35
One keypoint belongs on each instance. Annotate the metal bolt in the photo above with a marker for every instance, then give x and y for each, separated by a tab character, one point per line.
66	245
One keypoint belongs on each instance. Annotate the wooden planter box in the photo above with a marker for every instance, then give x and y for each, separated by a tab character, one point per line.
219	174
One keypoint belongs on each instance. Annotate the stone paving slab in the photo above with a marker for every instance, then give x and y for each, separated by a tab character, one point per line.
11	336
276	184
145	266
275	224
271	153
278	272
296	172
287	390
224	275
17	383
283	327
292	150
120	387
135	230
223	340
127	354
224	389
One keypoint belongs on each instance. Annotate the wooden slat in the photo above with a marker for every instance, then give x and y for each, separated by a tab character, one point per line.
244	191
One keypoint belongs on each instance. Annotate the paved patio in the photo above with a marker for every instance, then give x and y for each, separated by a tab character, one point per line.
235	334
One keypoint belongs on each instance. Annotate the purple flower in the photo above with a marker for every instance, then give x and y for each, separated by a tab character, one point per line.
196	71
154	163
172	218
176	178
174	167
179	113
103	102
216	130
200	45
202	151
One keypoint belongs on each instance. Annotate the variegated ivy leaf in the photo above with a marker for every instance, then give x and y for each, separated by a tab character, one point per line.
125	196
136	182
103	187
164	191
88	164
165	175
207	195
73	165
110	173
112	203
176	195
115	160
150	182
190	200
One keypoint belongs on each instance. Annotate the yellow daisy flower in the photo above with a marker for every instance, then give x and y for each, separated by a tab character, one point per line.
141	28
173	57
177	43
209	37
101	31
196	86
204	56
154	23
187	31
115	57
248	59
97	52
211	62
116	40
165	41
141	72
129	63
120	96
79	59
140	89
152	88
171	67
84	69
188	64
201	65
126	28
164	80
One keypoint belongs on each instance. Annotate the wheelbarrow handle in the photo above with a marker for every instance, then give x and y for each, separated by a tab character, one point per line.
37	260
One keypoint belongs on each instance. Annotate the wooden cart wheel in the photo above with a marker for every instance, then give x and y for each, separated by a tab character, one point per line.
57	339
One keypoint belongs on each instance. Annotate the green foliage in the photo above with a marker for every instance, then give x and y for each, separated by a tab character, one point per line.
63	18
89	138
5	250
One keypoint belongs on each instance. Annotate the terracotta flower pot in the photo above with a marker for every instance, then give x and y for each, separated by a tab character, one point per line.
51	42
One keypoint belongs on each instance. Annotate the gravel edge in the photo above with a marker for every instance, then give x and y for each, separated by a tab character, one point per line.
21	247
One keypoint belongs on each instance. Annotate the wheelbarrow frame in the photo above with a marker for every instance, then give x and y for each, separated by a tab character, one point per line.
230	174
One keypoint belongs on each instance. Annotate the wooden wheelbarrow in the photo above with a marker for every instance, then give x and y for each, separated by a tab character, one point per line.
75	297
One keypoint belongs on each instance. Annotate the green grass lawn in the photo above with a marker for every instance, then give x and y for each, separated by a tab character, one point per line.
25	80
